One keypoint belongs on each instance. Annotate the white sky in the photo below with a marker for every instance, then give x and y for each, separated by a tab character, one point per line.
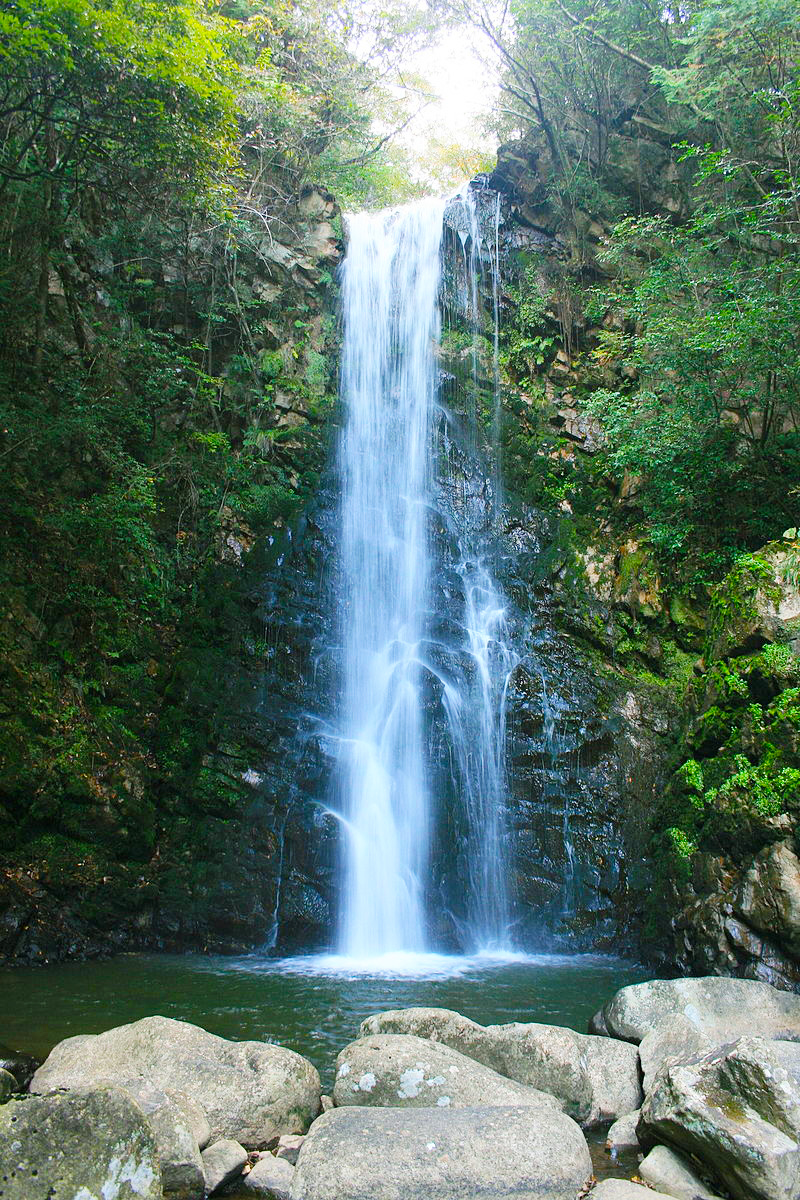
462	94
463	85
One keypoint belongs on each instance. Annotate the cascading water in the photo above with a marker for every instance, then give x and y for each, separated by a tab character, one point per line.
391	326
477	710
390	494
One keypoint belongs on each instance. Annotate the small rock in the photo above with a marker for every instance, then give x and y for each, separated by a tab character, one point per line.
21	1066
90	1142
620	1189
223	1161
270	1177
669	1172
289	1146
8	1085
327	1103
622	1134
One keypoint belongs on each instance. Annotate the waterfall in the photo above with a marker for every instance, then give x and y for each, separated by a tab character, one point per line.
388	568
391	327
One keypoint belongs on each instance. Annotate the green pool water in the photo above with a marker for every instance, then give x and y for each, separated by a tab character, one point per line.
312	1005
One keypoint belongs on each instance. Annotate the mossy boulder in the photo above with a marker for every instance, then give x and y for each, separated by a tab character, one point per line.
757	603
84	1143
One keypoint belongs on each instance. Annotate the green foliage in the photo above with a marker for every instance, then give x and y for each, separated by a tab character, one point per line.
690	776
683	846
717	400
756	785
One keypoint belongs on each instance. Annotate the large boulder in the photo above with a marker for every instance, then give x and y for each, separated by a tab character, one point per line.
677	1039
737	1110
596	1078
79	1145
757	603
399	1070
250	1091
710	1003
519	1153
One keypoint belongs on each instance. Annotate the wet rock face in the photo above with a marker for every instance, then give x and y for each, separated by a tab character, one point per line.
583	748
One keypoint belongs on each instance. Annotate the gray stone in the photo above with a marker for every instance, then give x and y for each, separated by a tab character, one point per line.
195	1115
250	1091
676	1039
182	1172
78	1145
737	1110
519	1153
622	1134
596	1078
223	1161
270	1177
709	1002
669	1172
620	1189
8	1085
289	1146
403	1071
768	898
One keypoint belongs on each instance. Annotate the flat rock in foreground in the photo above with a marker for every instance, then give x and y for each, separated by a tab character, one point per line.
250	1091
719	1005
80	1145
398	1070
519	1153
596	1078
